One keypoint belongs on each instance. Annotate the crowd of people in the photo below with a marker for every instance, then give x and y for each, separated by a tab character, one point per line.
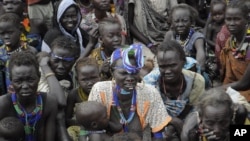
123	70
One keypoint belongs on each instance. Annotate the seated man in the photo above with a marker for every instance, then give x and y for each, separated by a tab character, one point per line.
36	110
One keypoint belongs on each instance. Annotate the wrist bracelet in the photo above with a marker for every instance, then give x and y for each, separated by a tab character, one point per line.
49	74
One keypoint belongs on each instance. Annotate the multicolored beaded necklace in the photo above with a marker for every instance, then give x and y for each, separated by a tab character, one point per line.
28	119
116	103
242	50
185	42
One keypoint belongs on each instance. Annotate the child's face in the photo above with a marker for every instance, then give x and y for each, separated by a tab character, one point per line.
235	21
181	21
13	6
69	19
10	33
111	36
216	119
87	76
218	13
101	4
25	80
61	61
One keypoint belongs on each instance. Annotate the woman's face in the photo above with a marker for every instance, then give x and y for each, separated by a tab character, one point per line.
216	119
235	21
69	19
123	78
181	21
170	65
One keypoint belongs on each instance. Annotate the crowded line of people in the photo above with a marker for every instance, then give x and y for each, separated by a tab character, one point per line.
123	70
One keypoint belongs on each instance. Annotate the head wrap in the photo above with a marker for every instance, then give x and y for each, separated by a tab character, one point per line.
125	53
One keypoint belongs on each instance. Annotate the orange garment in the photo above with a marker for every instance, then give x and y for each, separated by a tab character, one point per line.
233	68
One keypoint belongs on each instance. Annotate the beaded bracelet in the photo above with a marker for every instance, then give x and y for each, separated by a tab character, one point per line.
85	132
49	74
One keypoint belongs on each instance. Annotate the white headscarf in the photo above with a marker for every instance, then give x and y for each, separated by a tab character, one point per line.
63	6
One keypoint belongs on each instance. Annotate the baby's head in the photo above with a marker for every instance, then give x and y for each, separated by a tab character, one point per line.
218	8
11	129
92	115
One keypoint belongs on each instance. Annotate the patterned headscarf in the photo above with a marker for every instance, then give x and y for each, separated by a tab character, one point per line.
125	53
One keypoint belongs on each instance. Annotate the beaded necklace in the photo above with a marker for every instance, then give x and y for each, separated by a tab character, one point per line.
83	96
28	119
116	103
240	51
185	42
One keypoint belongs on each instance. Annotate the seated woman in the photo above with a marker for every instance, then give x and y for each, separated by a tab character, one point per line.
237	46
36	110
68	18
182	17
11	129
214	113
179	88
131	106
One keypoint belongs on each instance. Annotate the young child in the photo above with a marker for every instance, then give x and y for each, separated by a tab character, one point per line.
11	129
33	29
11	35
36	110
87	74
111	38
93	118
218	8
